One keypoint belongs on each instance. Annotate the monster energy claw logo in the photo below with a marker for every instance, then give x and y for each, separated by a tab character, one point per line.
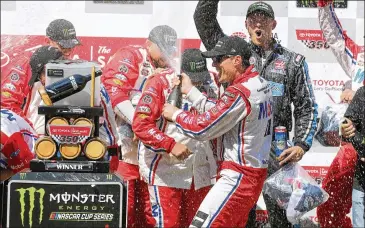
192	66
31	191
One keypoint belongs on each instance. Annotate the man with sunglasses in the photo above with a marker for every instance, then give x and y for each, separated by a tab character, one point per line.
287	73
242	121
124	78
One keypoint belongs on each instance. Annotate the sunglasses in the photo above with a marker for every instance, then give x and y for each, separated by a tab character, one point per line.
220	58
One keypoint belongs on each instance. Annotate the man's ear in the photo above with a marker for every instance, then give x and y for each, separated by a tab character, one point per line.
246	23
47	40
274	23
237	61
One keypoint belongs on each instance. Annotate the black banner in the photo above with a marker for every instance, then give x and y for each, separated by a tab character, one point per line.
313	3
64	204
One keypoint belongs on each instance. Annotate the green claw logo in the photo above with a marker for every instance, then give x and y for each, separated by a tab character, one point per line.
31	191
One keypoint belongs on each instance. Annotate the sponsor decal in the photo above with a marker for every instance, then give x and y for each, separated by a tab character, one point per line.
229	94
156	135
114	90
188	120
199	219
197	66
313	39
55	72
34	195
9	86
214	110
151	89
279	65
6	94
277	89
224	99
282	72
147	99
313	3
18	67
252	60
69	133
128	61
145	72
144	109
118	82
143	116
15	153
18	166
66	198
14	77
123	68
45	205
121	77
207	116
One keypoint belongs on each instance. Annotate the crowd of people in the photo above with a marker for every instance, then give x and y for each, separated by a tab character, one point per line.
202	164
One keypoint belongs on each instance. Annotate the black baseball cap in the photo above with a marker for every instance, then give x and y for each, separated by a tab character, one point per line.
230	45
40	58
63	32
166	39
260	7
195	65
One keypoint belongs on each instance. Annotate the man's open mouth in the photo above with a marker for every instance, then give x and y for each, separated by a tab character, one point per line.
258	33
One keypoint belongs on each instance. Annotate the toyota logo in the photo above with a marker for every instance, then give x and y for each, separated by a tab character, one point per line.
5	59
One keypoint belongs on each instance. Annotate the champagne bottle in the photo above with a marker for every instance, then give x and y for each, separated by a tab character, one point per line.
65	87
175	97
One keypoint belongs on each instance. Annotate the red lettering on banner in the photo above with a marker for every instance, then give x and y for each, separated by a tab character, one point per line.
328	82
309	34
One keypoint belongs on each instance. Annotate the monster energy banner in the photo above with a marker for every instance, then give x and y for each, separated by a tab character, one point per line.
64	204
313	3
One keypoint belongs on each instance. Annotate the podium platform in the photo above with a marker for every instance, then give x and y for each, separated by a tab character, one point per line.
65	199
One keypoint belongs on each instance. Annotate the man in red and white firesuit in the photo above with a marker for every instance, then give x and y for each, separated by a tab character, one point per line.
242	118
124	77
177	185
339	179
17	144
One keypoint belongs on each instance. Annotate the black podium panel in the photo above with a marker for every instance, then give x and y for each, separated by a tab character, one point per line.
65	200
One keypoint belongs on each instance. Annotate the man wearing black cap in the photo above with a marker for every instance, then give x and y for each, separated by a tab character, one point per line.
124	77
287	73
194	65
17	133
177	184
61	33
18	88
242	122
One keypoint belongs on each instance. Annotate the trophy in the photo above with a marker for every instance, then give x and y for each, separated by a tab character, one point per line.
71	141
